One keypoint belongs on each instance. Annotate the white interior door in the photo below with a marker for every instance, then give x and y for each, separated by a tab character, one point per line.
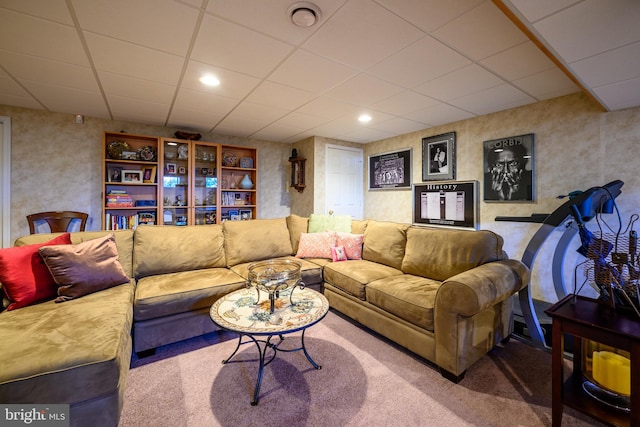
345	167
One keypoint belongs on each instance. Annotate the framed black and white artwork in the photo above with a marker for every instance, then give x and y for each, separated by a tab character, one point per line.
439	157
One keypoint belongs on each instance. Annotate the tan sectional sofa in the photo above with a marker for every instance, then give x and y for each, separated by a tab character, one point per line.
443	294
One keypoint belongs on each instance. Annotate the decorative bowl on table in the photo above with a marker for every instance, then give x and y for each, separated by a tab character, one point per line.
115	149
274	277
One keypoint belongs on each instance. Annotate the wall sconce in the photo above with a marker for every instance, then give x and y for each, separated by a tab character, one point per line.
297	171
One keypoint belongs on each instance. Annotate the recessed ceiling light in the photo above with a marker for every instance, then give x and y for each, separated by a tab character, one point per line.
209	80
364	118
304	14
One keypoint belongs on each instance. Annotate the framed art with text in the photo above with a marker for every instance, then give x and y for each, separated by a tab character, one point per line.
390	171
508	169
450	204
439	157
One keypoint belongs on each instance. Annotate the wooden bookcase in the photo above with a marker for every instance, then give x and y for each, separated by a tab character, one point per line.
238	183
172	181
130	180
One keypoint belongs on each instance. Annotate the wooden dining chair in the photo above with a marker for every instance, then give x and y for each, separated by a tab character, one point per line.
59	221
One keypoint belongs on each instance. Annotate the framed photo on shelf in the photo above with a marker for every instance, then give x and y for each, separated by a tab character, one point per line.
182	170
114	174
390	171
234	215
508	169
171	168
131	176
204	171
245	214
149	175
439	157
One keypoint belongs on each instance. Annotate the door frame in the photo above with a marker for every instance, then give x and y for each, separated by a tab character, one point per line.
359	151
5	188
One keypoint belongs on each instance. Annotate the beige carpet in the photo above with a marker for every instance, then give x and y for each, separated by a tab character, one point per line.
364	381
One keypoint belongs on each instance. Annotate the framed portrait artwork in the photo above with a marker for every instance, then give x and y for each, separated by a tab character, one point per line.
149	174
508	169
171	168
390	171
439	157
114	174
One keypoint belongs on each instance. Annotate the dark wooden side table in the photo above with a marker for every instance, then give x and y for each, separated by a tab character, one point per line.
585	318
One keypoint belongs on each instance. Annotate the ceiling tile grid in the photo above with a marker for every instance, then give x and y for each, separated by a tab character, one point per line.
410	64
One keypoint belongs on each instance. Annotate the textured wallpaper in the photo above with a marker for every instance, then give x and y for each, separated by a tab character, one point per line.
56	165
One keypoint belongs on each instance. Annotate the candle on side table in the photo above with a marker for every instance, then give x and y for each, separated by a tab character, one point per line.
612	371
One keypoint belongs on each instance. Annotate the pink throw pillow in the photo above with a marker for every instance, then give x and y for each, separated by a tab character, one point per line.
352	244
338	254
316	245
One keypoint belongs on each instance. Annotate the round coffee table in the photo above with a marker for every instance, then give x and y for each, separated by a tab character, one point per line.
247	313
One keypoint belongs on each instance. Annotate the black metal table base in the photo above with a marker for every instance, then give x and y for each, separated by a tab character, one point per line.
262	351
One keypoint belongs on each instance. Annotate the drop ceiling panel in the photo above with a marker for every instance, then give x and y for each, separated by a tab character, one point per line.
46	71
132	60
194	119
353	36
480	33
270	17
547	84
535	10
459	83
591	27
597	71
364	90
519	61
330	109
419	62
237	48
208	102
440	114
429	15
306	71
53	10
404	103
51	40
232	84
392	125
130	87
622	94
70	100
124	108
494	99
279	96
120	19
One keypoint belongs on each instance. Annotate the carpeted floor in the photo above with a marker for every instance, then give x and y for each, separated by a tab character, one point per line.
364	381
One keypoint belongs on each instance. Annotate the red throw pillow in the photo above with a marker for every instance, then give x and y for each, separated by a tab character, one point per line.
24	276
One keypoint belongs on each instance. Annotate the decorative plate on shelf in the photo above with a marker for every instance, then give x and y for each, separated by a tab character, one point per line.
229	159
148	154
246	162
115	149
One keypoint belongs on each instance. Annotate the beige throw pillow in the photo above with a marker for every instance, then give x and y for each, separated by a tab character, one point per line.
84	268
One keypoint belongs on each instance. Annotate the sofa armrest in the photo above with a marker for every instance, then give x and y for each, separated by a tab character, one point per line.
475	290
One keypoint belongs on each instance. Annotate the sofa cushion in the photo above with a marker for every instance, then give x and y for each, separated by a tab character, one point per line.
319	223
358	226
316	245
169	249
441	254
384	243
256	240
84	268
186	291
296	225
67	353
409	297
353	276
24	275
310	269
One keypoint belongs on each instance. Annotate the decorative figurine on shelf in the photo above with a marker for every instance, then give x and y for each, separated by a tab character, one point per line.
179	201
294	154
167	201
183	151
